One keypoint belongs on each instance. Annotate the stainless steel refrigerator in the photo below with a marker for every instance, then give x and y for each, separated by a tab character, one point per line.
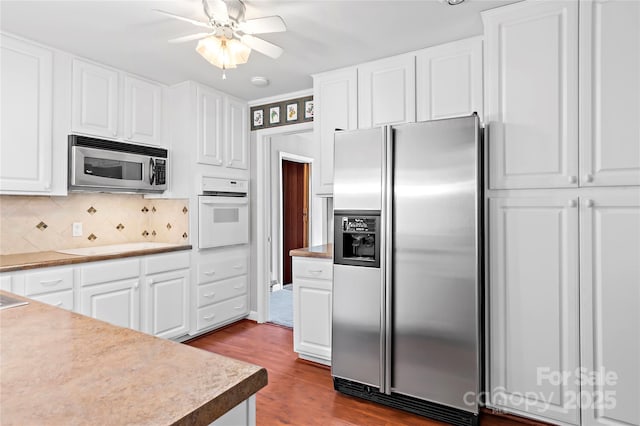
407	265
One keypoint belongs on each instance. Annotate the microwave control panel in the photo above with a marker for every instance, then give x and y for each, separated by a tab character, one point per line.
161	171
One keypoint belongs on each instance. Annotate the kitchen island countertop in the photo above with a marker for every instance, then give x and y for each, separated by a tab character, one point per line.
59	367
324	251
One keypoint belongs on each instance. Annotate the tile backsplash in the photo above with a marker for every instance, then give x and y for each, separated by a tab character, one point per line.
31	224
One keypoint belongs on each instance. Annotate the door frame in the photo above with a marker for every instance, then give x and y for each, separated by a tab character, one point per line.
278	249
263	212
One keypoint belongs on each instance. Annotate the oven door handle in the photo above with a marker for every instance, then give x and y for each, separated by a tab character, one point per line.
228	201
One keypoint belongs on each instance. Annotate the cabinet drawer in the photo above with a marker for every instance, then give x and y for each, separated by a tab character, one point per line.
219	291
221	312
61	299
48	281
157	263
103	272
219	269
319	269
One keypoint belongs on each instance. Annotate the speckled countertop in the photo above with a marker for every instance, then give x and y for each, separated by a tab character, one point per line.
42	259
59	368
324	251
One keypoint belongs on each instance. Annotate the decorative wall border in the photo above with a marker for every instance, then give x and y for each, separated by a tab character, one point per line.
292	111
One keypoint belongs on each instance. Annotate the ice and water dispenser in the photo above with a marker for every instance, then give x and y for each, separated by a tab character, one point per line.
357	238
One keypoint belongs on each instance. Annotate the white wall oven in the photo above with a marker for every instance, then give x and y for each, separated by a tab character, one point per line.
223	213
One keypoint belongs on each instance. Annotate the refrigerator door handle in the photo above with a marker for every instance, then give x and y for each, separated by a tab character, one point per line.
387	272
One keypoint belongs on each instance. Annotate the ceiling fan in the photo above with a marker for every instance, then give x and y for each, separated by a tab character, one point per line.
229	37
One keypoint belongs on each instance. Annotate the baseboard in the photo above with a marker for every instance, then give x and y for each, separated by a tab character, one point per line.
253	316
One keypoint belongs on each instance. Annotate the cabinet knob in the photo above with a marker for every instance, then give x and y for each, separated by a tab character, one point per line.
115	133
589	203
588	177
573	179
136	285
47	186
150	281
572	203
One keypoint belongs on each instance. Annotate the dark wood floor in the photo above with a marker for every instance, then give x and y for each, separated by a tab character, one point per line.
300	392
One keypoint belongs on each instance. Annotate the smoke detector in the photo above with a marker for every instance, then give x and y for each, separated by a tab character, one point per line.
260	81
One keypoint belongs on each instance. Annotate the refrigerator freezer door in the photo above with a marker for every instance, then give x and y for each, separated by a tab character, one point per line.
357	183
356	333
435	261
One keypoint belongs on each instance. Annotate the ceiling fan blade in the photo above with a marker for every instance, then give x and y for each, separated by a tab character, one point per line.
262	46
184	18
216	9
190	37
268	24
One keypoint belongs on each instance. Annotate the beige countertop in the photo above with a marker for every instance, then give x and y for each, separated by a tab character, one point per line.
22	261
324	251
59	367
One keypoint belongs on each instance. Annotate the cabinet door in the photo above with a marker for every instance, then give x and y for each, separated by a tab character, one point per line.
387	92
26	114
335	101
210	116
533	306
531	82
142	111
95	100
115	302
610	302
449	80
167	304
237	134
312	317
609	92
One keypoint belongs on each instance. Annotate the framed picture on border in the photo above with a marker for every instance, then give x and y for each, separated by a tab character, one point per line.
292	112
274	115
258	118
308	109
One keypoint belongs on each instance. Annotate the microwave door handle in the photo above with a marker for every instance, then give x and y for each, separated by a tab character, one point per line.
152	171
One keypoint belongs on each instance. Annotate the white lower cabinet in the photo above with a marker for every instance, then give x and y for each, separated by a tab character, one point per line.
116	302
53	286
610	301
564	306
533	305
221	289
243	414
312	304
167	304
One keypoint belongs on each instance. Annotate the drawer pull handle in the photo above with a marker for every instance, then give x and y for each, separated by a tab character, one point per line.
210	295
237	266
237	308
50	283
210	273
238	287
315	271
209	317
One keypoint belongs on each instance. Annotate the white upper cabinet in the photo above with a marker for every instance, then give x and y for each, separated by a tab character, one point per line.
387	91
112	104
237	134
531	82
610	295
27	109
449	80
142	111
335	96
209	126
95	100
609	92
533	305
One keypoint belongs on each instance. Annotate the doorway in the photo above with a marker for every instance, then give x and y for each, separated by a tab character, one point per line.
291	224
295	212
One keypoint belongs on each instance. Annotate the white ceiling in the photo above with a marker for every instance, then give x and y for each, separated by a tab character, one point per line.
321	35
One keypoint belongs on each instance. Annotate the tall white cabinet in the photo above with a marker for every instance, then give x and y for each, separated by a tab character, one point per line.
564	210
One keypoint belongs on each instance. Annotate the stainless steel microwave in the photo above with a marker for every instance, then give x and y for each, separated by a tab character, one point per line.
108	166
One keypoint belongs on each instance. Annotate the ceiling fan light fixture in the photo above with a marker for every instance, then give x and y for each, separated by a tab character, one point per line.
222	52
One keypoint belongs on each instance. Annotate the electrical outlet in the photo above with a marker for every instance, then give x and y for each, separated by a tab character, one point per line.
76	229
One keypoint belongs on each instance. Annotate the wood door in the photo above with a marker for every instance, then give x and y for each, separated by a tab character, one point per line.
295	209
